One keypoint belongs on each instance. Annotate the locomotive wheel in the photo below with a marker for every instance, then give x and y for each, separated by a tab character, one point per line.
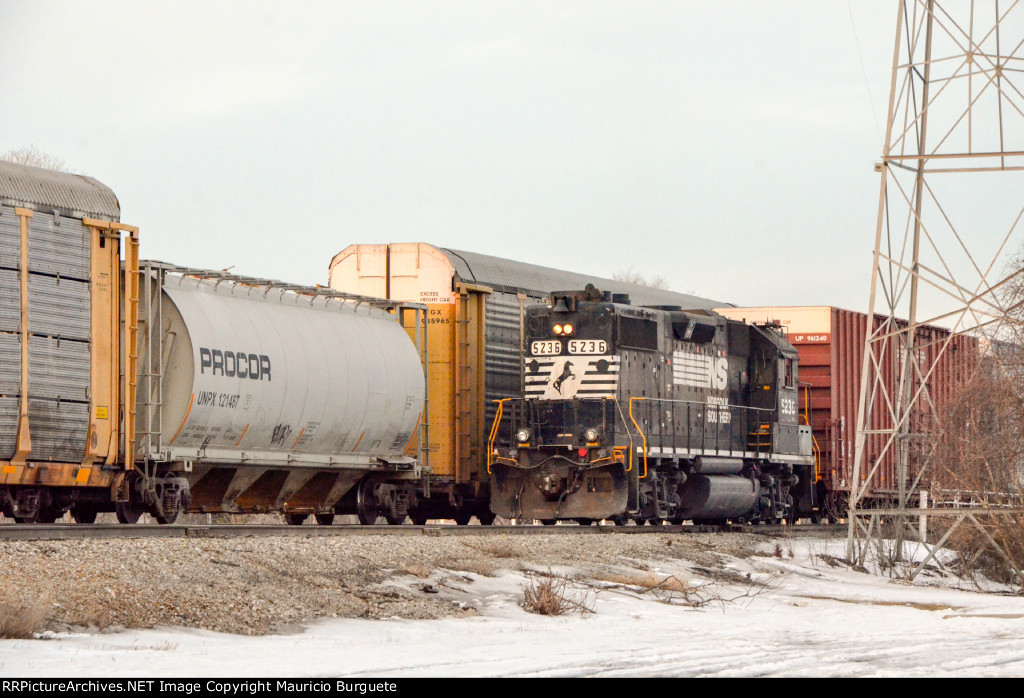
619	520
128	513
418	519
462	518
486	518
640	521
395	520
324	519
83	514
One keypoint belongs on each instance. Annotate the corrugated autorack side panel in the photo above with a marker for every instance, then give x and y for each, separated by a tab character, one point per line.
61	401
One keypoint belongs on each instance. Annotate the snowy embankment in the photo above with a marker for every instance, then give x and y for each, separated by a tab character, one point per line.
795	615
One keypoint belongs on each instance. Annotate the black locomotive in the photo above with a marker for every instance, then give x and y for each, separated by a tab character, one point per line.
650	413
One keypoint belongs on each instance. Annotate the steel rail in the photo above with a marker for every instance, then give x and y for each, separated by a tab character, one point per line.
41	532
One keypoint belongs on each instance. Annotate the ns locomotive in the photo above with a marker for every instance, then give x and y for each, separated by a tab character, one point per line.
650	414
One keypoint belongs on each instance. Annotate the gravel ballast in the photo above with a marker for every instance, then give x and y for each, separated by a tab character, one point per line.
261	585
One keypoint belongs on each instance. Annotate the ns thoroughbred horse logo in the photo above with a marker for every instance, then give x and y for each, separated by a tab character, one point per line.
566	375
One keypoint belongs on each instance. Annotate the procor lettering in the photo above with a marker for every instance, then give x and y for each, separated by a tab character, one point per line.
234	364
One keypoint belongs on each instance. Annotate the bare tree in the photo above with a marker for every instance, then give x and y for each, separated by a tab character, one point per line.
630	276
979	447
31	155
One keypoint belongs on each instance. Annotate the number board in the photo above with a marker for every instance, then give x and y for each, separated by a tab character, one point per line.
546	347
588	346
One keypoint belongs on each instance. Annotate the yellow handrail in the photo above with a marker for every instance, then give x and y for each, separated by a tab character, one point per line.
642	436
815	448
494	431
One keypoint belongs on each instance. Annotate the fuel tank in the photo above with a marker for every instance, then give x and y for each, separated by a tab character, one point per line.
717	496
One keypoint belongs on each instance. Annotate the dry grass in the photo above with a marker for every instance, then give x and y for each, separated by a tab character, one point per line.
414	570
21	620
482	566
504	549
549	594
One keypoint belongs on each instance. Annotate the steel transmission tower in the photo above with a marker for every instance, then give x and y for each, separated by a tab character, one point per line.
949	222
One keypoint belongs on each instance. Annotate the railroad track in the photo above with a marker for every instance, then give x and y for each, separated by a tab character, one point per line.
12	532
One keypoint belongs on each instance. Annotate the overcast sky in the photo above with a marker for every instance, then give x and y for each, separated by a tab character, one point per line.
725	146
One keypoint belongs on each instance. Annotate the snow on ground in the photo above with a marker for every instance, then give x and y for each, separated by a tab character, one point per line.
808	619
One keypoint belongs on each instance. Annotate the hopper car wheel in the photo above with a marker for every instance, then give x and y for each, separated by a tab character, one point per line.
418	519
548	522
128	513
486	518
168	518
395	520
324	519
619	520
295	519
585	522
83	515
366	503
462	518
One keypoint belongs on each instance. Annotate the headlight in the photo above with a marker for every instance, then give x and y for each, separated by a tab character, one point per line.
590	435
567	329
557	329
523	435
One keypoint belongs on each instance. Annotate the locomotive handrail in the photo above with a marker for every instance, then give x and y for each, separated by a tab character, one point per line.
642	436
618	408
744	410
499	413
815	451
815	448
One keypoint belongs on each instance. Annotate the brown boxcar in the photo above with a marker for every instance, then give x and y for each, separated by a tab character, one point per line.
830	341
